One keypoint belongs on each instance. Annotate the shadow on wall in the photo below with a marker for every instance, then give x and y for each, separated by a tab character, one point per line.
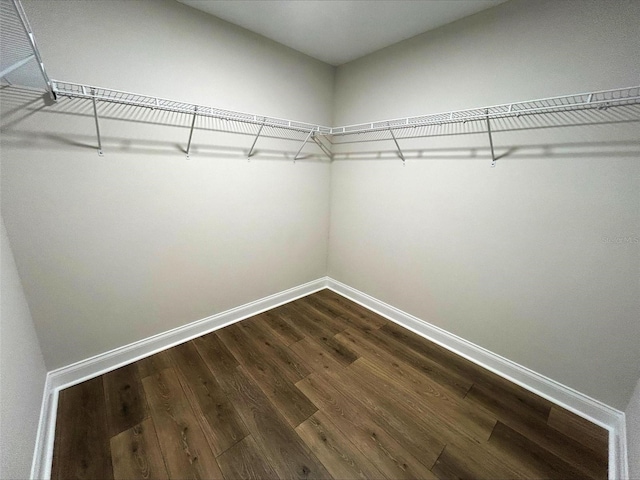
18	105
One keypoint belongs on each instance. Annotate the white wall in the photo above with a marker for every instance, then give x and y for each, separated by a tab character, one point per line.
514	258
115	249
22	372
633	433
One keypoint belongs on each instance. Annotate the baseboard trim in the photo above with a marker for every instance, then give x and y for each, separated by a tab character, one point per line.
580	404
105	362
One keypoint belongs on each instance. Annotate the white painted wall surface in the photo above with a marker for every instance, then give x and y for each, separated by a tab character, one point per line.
22	372
116	249
633	433
516	259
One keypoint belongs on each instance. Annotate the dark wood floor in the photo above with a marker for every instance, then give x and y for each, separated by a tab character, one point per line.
317	388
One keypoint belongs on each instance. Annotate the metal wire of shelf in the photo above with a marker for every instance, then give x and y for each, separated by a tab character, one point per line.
20	60
583	101
76	90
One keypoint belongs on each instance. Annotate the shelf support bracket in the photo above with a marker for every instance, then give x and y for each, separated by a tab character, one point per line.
95	116
254	143
302	146
193	122
400	154
493	154
16	65
323	147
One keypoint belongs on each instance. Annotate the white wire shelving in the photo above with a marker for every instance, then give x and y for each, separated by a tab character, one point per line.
592	100
20	60
21	63
101	94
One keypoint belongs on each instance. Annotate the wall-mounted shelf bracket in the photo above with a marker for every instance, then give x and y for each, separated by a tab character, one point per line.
95	115
302	146
193	122
322	146
400	154
254	143
493	154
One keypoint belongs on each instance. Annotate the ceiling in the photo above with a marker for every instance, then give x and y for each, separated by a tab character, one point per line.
338	31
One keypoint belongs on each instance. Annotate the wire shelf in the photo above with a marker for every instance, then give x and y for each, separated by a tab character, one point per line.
583	101
20	60
77	90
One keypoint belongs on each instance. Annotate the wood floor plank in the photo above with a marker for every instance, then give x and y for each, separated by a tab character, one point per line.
282	447
154	364
135	453
276	319
269	346
466	460
530	457
334	450
304	323
81	447
348	317
184	446
218	419
412	421
309	319
334	321
376	344
413	394
246	461
290	402
537	430
353	308
588	434
126	402
316	357
369	432
464	368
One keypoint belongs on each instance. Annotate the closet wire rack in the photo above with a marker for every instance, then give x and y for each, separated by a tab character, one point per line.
20	60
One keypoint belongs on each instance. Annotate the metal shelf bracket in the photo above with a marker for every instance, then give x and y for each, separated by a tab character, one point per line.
95	116
400	154
302	146
193	122
254	143
322	146
493	154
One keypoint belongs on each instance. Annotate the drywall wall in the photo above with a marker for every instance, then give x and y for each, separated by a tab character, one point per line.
633	433
22	372
117	248
536	259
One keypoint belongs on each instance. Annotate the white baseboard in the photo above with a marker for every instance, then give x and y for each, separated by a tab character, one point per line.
105	362
572	400
580	404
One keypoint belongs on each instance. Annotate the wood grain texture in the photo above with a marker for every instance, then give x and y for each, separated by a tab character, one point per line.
154	364
184	446
592	436
282	448
276	320
126	402
246	461
81	447
135	453
292	404
335	450
317	388
379	442
218	419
